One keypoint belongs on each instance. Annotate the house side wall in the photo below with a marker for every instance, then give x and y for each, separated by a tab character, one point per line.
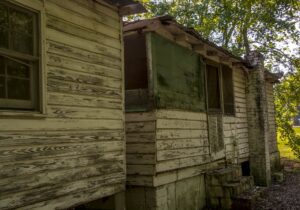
181	140
140	148
241	121
74	153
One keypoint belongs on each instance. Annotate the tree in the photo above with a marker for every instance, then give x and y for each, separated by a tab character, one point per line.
240	25
287	100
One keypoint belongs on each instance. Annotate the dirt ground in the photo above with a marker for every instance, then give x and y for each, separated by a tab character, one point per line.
285	195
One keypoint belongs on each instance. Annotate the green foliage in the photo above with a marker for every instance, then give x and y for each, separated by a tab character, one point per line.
239	25
287	99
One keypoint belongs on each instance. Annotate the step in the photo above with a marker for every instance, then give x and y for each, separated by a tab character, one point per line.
238	186
247	200
221	176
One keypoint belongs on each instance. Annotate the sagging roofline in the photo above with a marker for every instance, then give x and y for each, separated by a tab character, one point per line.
169	28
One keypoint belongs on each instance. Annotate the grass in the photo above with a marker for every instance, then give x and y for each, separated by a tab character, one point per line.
284	148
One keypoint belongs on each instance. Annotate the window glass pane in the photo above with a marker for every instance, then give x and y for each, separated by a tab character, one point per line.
17	69
18	89
21	22
227	90
2	65
2	87
3	37
21	42
3	15
213	88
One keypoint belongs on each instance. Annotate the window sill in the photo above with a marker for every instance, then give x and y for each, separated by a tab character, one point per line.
22	114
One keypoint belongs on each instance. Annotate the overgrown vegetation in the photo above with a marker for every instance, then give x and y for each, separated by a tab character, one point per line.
287	99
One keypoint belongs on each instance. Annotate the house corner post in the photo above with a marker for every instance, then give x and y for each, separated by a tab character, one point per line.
258	121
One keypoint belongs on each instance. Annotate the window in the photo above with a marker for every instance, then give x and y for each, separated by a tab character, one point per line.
179	76
227	85
213	88
19	57
219	83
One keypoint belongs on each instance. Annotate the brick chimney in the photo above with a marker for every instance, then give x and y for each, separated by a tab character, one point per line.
258	120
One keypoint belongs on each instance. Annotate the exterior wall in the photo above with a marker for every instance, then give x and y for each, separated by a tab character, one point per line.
140	148
235	128
74	151
168	148
240	82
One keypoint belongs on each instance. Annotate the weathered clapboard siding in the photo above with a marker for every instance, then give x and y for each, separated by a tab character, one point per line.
271	118
74	152
140	148
240	141
181	140
230	138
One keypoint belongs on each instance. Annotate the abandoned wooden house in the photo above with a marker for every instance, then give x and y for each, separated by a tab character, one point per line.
61	102
199	120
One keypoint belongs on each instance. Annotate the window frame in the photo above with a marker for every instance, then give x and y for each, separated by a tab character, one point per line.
220	110
35	61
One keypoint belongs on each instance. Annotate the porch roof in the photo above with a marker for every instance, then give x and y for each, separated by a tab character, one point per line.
169	28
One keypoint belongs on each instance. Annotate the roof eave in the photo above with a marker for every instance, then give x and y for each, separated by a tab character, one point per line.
127	7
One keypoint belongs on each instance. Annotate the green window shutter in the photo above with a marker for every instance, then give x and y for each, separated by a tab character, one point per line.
179	76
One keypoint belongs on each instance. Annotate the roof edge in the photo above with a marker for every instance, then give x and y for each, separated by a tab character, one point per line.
127	7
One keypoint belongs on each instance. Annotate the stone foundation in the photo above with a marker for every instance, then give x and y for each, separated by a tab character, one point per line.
186	194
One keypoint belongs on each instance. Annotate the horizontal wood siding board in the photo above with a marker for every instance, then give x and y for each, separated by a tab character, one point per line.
111	54
140	137
181	163
54	191
60	124
82	89
180	124
140	180
83	113
82	55
81	66
40	180
140	170
69	99
80	20
9	154
140	117
181	134
137	127
181	153
180	115
109	11
140	148
73	29
180	143
23	138
140	159
76	198
88	12
89	79
33	166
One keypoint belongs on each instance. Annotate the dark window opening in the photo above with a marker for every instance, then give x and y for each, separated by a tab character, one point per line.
227	85
136	73
213	88
246	168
